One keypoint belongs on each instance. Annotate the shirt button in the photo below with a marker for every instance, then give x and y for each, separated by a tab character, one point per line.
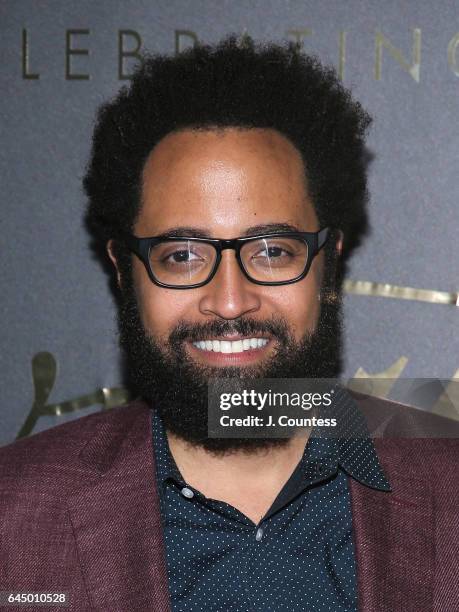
259	534
321	469
186	492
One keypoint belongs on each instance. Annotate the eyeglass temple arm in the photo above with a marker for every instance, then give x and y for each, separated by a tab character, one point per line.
322	237
132	243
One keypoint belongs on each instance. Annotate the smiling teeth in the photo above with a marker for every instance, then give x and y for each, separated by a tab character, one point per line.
227	346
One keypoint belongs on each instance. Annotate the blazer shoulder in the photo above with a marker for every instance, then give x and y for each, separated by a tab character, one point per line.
56	450
412	441
390	419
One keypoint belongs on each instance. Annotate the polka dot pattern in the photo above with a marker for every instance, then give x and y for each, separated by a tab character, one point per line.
300	556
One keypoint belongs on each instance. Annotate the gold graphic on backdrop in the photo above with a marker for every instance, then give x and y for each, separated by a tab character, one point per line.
448	402
44	370
378	384
452	54
442	396
402	293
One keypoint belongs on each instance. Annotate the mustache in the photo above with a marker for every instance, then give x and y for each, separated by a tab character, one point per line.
193	332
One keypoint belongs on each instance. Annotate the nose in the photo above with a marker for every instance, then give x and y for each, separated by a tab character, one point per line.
229	295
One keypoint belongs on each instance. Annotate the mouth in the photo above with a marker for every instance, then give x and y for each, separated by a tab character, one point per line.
220	345
231	350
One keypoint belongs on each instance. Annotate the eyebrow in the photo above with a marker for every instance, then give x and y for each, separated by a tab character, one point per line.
253	230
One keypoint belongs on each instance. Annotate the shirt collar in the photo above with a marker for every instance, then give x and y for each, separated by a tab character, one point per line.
166	468
350	448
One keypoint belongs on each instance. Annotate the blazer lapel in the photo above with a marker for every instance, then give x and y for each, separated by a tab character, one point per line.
394	538
116	517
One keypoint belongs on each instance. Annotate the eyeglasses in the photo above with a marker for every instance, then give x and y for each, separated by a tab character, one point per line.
269	259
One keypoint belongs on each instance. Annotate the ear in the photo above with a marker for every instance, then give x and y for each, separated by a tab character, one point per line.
339	243
111	254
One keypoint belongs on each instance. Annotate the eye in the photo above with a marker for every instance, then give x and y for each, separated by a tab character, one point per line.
272	252
279	252
182	256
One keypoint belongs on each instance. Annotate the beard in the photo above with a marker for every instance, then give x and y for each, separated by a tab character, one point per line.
161	372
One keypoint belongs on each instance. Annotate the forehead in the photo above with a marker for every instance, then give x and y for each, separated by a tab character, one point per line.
224	180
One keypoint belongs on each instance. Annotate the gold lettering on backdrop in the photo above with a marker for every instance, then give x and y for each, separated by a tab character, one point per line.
413	69
70	51
122	53
300	35
186	38
244	38
342	54
25	58
183	34
452	55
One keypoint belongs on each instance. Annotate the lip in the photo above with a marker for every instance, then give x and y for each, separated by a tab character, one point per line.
230	359
235	337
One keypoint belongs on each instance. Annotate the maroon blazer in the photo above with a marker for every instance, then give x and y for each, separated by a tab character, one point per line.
79	513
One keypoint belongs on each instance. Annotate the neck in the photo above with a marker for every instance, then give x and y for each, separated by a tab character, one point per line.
250	481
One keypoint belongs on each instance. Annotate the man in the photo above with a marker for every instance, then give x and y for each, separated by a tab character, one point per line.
228	187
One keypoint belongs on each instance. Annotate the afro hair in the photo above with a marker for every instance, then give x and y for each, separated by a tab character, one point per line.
234	83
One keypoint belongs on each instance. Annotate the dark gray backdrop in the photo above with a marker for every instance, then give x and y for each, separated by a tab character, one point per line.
55	297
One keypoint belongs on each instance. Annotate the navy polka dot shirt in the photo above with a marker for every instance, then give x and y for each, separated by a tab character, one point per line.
300	556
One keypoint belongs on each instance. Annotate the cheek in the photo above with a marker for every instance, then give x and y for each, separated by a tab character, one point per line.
160	309
299	303
300	308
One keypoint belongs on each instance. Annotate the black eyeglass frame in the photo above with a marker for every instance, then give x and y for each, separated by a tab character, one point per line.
141	247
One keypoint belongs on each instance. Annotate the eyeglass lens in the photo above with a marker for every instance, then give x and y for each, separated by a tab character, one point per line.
186	262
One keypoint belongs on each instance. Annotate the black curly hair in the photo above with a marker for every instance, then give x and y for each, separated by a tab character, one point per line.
235	83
